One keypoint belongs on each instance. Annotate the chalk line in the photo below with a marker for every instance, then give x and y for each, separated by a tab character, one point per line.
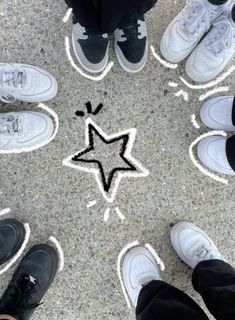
120	215
209	84
106	214
194	121
73	64
40	145
5	211
67	15
91	204
197	164
182	93
119	269
162	61
60	252
212	92
19	253
173	84
140	173
159	261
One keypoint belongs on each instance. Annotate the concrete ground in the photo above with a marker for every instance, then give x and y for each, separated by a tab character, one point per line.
53	198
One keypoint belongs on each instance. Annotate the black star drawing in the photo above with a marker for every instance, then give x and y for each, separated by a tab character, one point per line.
108	183
106	180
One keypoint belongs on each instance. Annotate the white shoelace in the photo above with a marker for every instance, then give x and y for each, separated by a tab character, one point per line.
196	18
222	38
11	124
13	77
202	254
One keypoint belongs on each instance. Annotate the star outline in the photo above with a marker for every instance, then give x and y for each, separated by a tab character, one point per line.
106	182
142	171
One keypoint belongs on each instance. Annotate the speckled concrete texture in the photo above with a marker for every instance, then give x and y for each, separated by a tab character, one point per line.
53	199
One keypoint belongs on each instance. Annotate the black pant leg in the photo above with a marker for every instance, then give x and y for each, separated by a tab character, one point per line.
160	301
121	13
215	281
86	12
108	15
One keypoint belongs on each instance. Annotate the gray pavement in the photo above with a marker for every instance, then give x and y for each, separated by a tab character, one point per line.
53	199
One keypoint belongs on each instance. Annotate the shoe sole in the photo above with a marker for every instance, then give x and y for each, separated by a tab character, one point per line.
84	66
20	230
116	48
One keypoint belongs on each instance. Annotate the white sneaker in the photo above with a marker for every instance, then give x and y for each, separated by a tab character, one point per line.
217	113
21	130
212	153
187	29
192	244
215	51
138	269
26	83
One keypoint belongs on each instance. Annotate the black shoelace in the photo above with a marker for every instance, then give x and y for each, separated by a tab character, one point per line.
131	31
92	32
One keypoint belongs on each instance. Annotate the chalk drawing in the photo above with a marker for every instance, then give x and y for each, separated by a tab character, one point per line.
67	15
108	186
60	252
213	92
182	93
194	121
91	204
5	211
162	61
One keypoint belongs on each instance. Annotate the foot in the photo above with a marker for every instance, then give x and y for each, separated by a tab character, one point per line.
187	29
30	282
26	83
215	51
212	152
90	48
19	130
218	113
12	234
131	46
192	244
138	269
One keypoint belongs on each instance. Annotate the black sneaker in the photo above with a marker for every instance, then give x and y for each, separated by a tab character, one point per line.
90	47
30	281
131	46
12	234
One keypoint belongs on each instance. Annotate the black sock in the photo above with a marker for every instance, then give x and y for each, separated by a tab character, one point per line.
233	13
218	2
